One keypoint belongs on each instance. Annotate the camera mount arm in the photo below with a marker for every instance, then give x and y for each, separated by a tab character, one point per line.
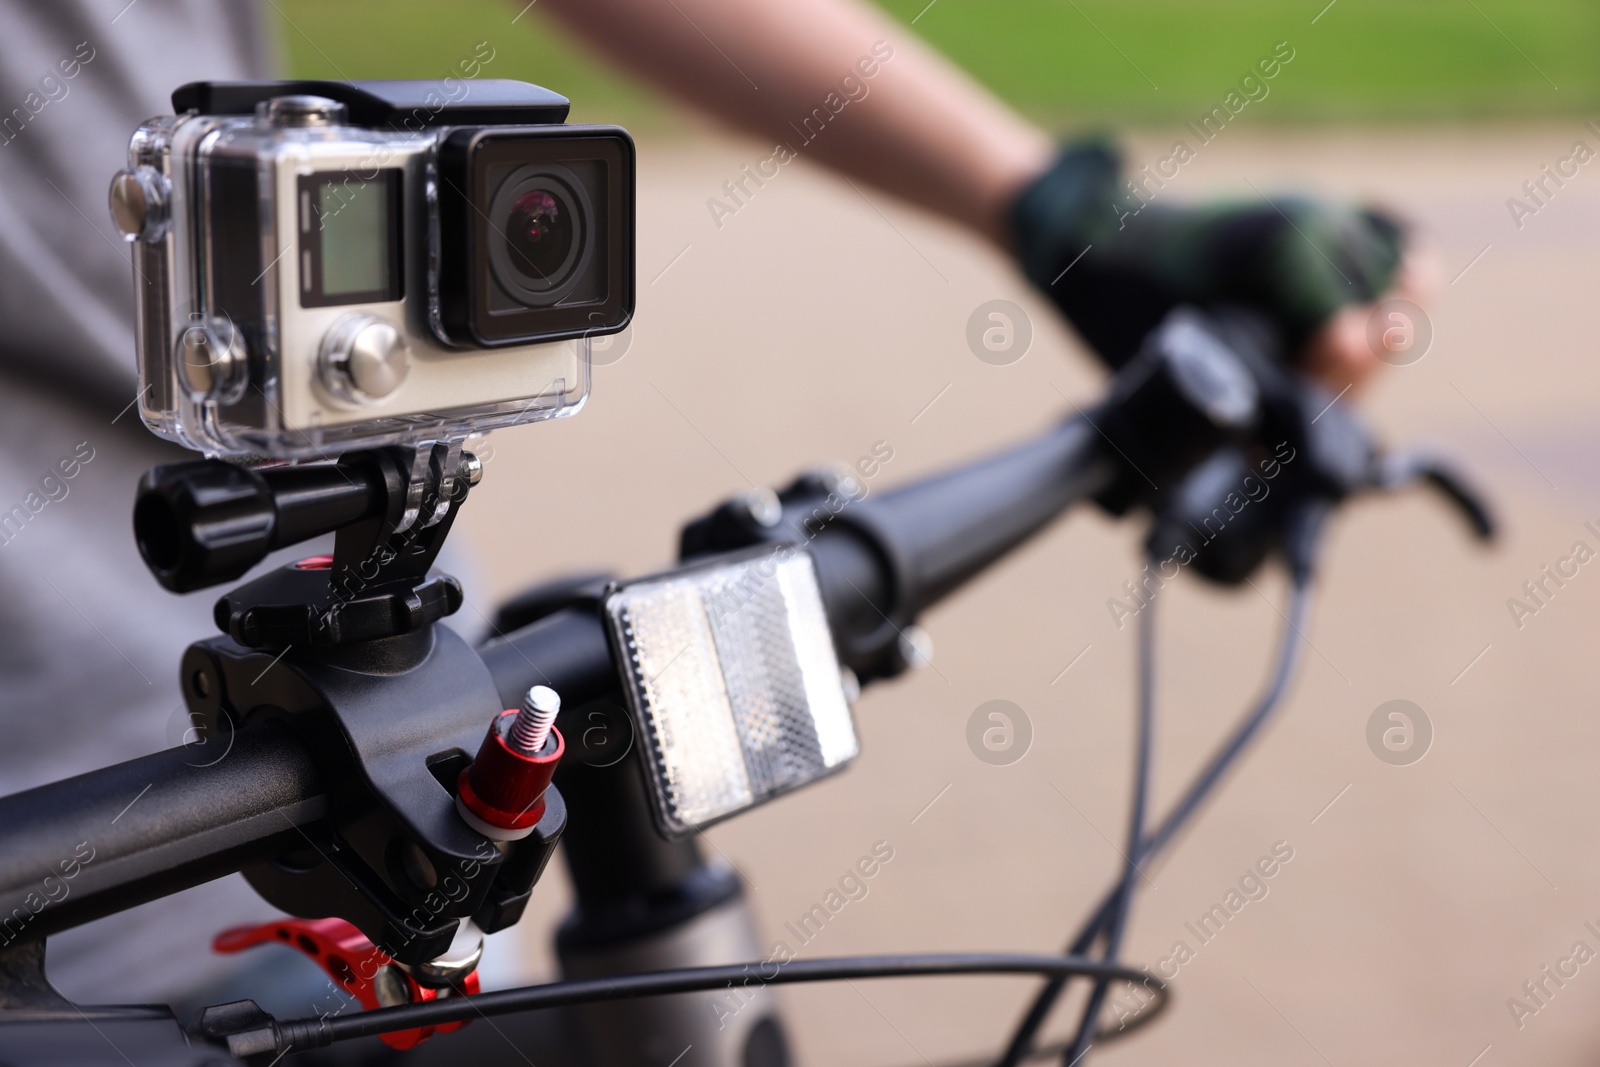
206	522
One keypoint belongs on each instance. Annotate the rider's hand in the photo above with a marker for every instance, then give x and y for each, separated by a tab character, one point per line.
1340	353
1115	263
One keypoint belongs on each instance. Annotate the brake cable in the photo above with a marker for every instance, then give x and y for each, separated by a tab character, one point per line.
1117	922
1204	783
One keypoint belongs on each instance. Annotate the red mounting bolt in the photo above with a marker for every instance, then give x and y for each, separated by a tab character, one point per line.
501	793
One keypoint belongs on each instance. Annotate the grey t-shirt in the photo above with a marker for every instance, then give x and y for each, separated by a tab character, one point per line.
76	78
89	644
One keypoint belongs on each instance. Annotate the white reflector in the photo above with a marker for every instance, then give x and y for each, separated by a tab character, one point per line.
731	676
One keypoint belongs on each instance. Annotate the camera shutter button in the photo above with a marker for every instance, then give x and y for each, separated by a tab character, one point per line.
364	359
289	112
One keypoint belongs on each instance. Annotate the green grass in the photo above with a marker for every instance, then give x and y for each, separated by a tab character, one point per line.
1068	62
1363	59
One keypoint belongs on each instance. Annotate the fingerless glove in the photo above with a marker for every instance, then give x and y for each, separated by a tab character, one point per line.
1116	260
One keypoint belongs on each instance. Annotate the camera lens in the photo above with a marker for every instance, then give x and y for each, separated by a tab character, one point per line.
541	233
538	235
531	235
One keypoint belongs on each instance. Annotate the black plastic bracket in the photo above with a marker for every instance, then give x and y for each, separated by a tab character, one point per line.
390	724
377	584
346	652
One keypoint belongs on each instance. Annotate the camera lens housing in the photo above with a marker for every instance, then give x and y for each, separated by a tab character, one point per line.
535	232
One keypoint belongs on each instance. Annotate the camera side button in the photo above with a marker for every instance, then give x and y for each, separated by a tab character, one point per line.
211	359
138	201
364	359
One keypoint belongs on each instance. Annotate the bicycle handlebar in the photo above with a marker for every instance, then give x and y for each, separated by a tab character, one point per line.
167	821
946	528
85	847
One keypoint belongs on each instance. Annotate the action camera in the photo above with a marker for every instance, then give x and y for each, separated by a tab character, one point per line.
323	266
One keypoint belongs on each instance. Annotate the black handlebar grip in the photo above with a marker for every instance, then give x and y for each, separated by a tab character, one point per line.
1191	389
206	522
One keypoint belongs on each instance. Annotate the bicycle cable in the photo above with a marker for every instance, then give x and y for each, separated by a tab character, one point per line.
304	1034
1123	908
1177	820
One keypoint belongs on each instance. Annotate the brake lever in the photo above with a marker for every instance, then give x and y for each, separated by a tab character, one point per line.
355	965
1401	470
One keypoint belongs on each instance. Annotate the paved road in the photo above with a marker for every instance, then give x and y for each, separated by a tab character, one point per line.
819	320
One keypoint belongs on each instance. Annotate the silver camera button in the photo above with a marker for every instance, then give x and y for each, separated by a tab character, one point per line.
364	359
139	200
290	112
211	359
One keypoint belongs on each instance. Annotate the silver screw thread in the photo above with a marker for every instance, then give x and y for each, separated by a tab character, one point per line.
531	728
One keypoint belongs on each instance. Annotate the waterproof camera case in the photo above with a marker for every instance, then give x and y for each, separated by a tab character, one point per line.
325	266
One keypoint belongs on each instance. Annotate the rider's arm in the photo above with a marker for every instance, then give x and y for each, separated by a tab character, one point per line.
796	74
915	126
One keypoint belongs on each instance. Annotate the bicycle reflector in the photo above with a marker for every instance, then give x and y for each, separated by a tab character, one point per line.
730	673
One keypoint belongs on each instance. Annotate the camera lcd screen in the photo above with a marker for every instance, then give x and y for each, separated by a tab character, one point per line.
350	237
355	241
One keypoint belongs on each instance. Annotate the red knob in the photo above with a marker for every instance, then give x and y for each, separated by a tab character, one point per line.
501	793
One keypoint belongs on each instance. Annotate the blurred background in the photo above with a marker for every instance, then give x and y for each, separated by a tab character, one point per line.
820	320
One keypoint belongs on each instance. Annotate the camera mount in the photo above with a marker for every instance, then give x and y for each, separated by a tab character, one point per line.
336	649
